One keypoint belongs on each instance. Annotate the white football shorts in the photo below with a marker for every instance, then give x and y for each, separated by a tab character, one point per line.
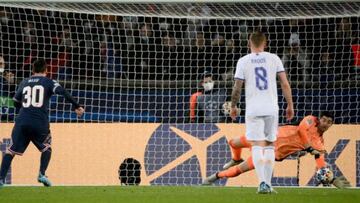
260	128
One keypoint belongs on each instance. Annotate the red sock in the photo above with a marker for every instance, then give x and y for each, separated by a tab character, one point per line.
231	172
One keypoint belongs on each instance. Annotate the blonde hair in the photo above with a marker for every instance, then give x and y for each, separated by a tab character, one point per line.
257	39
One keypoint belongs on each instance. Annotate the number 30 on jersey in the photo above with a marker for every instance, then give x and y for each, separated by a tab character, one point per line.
33	96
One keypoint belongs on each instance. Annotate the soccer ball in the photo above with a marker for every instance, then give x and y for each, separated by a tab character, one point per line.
226	107
324	176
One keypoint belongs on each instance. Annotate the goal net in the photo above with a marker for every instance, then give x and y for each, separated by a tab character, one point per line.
150	63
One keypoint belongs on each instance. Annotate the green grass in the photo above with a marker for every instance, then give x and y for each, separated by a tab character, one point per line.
169	194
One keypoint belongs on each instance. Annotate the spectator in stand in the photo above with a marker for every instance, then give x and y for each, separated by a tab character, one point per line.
126	30
29	51
218	53
4	17
164	24
232	54
128	26
343	39
7	79
145	52
110	59
356	51
166	57
29	33
296	60
200	56
66	40
195	25
11	38
7	90
57	68
323	67
170	59
207	104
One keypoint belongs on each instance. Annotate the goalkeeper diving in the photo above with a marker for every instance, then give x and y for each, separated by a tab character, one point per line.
307	137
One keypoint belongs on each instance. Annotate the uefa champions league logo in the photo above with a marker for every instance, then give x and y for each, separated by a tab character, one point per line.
184	154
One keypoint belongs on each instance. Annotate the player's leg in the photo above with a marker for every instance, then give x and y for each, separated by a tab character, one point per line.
258	159
231	172
255	133
44	162
237	170
45	154
271	125
19	144
5	165
42	140
236	145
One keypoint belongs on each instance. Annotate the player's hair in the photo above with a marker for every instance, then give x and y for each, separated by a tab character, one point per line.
39	66
327	114
257	38
206	74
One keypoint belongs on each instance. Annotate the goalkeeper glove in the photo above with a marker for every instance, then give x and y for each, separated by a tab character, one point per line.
341	182
313	151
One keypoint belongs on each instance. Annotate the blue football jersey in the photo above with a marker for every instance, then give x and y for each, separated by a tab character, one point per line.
34	94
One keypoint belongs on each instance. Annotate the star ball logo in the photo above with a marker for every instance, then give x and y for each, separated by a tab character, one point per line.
184	154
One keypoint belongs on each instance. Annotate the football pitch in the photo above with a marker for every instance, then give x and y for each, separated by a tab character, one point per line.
168	194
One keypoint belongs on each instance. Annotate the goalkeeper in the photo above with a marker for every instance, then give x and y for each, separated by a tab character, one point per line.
307	137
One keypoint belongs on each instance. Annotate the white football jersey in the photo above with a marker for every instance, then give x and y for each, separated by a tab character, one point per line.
259	71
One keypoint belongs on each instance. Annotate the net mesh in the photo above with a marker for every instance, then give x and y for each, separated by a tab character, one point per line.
142	63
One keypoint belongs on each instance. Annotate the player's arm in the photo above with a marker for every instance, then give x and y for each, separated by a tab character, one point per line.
320	161
285	87
235	97
79	110
286	90
193	106
236	91
58	89
303	129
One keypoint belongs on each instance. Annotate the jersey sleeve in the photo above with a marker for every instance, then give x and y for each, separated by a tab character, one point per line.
55	87
239	74
317	143
58	89
279	64
304	126
18	95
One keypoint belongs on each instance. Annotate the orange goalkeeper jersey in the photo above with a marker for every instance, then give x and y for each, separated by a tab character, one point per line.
292	139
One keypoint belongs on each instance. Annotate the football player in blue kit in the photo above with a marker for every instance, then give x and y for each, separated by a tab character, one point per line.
32	123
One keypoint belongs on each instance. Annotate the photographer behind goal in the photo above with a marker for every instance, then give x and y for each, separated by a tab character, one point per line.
209	105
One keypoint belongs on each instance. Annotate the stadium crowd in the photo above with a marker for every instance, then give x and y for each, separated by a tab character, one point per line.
85	45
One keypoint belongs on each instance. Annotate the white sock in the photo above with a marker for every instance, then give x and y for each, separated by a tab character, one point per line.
269	161
258	159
